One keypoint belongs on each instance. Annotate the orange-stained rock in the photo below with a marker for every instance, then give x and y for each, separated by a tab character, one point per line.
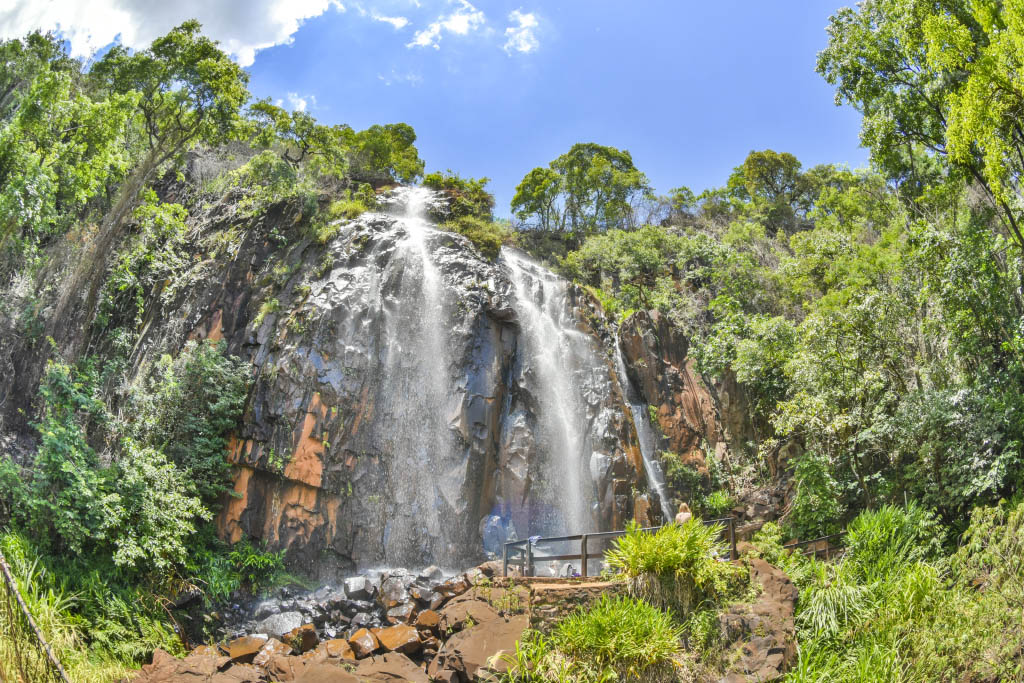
204	651
389	667
363	643
244	649
479	649
303	638
272	648
306	464
401	638
428	619
336	648
326	672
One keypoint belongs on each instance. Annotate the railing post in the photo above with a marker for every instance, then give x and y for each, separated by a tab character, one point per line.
732	539
583	555
504	560
529	557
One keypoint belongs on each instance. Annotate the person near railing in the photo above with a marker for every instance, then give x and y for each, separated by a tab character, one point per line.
684	515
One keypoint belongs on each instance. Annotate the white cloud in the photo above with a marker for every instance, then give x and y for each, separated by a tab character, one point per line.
521	36
395	77
397	22
242	26
298	103
463	20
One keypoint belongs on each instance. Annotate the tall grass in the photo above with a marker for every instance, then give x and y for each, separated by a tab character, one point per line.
51	607
677	566
617	639
894	609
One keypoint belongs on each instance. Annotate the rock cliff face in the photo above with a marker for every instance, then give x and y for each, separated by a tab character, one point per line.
695	418
405	411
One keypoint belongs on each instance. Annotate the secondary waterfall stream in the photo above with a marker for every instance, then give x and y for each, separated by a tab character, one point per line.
644	433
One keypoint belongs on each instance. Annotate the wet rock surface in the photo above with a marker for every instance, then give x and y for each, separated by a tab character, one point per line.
389	428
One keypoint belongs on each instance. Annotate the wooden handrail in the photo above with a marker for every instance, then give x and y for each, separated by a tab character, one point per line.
12	590
525	546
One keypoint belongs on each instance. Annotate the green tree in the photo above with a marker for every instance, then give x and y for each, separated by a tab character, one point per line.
588	189
186	90
383	154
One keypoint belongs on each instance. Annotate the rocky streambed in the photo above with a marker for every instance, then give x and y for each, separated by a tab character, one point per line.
394	625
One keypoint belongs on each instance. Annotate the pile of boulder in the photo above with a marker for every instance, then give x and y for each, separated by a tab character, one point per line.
395	626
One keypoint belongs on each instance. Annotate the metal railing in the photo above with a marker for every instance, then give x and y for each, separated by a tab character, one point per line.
27	657
824	547
522	553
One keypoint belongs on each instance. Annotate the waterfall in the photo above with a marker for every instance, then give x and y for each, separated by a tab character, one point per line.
644	433
551	352
418	383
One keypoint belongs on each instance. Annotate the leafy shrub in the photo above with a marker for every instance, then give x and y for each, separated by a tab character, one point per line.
617	639
153	511
488	236
620	633
325	225
718	503
676	566
817	508
467	197
188	407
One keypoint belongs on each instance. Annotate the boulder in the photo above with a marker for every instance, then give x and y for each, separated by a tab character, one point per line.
401	613
303	638
243	650
166	668
428	620
324	672
393	591
336	649
363	643
474	652
277	625
239	673
359	588
389	668
401	638
271	648
456	614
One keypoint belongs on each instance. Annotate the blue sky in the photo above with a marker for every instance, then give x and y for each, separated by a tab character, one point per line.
496	88
688	88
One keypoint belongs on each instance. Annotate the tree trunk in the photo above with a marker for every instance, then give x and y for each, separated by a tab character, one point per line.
87	275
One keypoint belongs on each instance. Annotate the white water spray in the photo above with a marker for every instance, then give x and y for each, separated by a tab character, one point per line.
553	348
417	374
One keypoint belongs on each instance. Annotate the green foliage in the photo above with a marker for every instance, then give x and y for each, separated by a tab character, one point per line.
154	512
638	266
817	508
718	503
467	197
677	566
617	639
187	409
587	189
154	256
488	236
383	154
51	605
620	633
890	610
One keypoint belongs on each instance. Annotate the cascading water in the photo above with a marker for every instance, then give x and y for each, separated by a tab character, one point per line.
418	385
644	433
551	350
